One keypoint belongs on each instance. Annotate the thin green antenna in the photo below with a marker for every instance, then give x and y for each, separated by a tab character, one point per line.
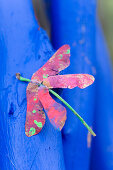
19	77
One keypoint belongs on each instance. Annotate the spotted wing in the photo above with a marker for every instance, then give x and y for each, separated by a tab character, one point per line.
35	117
59	61
69	81
55	111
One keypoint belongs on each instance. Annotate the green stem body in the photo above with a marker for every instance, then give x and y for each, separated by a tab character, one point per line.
60	98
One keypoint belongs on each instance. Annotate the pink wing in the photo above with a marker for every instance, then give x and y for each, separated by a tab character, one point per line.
69	81
59	61
35	117
55	111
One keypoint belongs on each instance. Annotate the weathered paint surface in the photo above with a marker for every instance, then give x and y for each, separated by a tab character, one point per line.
69	81
55	111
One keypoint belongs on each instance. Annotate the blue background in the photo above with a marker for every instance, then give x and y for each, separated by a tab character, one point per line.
25	48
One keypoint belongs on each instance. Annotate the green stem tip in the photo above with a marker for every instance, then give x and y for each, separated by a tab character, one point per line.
19	77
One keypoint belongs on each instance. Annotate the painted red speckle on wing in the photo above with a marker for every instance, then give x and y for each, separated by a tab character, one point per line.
69	81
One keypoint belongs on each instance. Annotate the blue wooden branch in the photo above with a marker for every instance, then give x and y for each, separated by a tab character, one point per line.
24	48
74	23
102	148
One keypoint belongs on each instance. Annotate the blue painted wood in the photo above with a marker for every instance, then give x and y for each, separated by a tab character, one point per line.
102	149
24	49
74	23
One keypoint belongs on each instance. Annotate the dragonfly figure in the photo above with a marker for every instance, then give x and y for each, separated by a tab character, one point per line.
41	83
